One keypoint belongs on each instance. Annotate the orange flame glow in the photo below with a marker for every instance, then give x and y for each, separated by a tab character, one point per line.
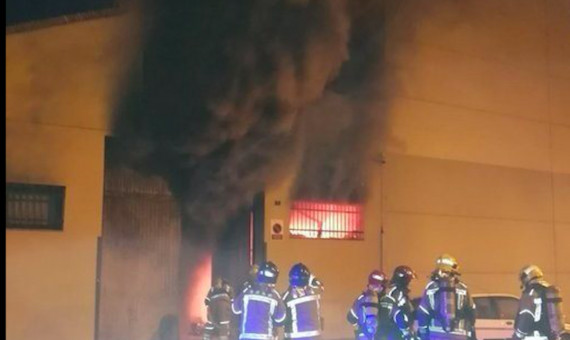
197	285
314	219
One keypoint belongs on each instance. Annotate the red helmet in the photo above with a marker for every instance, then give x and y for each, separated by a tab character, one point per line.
377	278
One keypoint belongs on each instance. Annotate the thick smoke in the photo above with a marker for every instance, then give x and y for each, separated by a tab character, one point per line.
224	85
231	93
335	138
337	129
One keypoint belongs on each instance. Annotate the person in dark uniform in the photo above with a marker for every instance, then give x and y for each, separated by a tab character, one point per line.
260	306
396	310
218	301
363	315
540	315
302	300
446	311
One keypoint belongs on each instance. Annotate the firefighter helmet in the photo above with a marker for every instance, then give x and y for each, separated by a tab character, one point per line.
227	287
299	275
529	274
218	282
447	264
377	279
267	273
402	276
253	271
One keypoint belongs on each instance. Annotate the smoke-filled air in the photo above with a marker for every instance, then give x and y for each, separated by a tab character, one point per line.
231	93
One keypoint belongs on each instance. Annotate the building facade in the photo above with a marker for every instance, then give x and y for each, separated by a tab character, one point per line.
60	81
475	146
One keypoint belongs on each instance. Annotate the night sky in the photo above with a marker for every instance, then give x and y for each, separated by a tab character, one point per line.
22	11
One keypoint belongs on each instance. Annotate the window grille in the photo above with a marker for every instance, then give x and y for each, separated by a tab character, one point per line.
326	220
32	206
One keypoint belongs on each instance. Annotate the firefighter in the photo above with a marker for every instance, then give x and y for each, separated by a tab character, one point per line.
218	302
446	310
396	310
249	283
363	315
302	302
540	313
259	306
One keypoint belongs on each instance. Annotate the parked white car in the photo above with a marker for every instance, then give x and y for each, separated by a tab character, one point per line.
495	316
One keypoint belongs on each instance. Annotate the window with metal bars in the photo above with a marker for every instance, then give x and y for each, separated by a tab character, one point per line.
34	206
326	220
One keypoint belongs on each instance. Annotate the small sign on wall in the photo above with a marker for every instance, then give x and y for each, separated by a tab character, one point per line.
277	229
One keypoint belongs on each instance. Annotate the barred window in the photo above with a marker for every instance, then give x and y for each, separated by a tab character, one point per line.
33	206
326	220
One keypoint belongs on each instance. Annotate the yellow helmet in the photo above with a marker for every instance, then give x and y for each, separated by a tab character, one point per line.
447	264
529	274
253	271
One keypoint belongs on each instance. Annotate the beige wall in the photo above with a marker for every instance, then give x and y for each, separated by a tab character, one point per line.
477	149
59	82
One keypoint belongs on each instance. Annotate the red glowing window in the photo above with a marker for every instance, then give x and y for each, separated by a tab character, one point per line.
326	220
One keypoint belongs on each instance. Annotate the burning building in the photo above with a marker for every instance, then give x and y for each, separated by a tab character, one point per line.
343	142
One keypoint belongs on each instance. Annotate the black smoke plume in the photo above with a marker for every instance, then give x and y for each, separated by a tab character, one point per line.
231	93
336	130
223	88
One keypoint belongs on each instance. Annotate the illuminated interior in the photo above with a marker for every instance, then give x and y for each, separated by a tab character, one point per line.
326	220
198	284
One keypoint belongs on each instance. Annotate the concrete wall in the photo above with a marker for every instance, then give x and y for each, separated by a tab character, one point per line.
477	150
59	82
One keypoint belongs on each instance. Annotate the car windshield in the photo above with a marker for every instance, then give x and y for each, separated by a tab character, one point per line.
507	307
490	307
484	308
496	307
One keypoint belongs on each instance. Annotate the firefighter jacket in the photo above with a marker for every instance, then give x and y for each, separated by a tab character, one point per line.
539	315
363	315
260	309
219	302
446	311
396	313
303	313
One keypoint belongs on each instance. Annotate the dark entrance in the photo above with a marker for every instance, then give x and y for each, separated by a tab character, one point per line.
138	293
138	285
241	245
